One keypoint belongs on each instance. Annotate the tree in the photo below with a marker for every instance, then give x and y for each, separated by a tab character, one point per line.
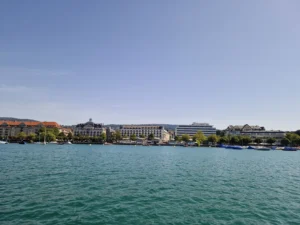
151	137
220	133
212	138
271	141
297	132
118	135
103	137
245	140
223	140
177	138
31	137
142	136
234	140
55	131
61	136
133	137
199	136
50	136
70	136
22	136
293	138
185	138
258	140
113	137
285	141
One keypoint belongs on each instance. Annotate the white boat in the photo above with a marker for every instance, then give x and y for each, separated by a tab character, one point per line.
3	142
52	142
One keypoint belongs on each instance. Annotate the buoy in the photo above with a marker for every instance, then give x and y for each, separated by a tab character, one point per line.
90	144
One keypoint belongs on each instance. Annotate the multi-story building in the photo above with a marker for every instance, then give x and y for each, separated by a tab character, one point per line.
138	130
240	129
14	128
255	132
192	129
90	129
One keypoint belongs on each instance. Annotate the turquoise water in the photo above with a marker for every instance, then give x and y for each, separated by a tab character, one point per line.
78	184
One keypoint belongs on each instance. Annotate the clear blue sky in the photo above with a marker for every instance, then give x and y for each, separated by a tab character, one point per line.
160	61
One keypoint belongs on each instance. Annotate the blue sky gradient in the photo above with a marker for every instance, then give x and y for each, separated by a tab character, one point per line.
170	61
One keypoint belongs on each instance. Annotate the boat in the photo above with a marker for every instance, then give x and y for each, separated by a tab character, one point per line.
22	143
290	149
52	142
251	147
262	149
64	143
3	142
234	147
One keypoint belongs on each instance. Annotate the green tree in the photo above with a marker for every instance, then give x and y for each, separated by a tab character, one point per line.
22	136
133	137
271	141
223	140
50	136
31	137
185	138
245	140
177	138
220	133
61	136
297	132
234	140
212	138
142	136
103	137
258	140
151	137
55	131
293	138
118	135
285	141
70	136
199	136
113	138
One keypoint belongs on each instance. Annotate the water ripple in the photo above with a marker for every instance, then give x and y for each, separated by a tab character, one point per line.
147	185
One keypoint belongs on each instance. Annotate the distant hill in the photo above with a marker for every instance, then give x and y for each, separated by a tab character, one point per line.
15	119
166	126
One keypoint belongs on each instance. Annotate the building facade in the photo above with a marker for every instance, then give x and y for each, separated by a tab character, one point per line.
255	132
14	128
192	129
89	129
138	130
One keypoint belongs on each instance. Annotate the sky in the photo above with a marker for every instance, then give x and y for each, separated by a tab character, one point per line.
161	61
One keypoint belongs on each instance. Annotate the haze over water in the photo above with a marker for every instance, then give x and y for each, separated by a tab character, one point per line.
80	184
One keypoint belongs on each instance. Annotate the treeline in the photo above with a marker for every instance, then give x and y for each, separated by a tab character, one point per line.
47	134
291	139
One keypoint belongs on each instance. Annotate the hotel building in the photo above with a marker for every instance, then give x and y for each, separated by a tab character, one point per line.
254	132
138	130
14	128
192	129
89	128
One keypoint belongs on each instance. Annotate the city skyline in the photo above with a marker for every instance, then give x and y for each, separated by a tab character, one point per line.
171	62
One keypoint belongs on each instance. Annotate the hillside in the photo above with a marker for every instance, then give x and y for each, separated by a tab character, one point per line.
15	119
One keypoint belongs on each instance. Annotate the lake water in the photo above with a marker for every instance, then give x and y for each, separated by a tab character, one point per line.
80	184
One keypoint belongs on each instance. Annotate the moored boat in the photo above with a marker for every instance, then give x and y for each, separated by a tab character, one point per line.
289	149
22	142
3	142
262	149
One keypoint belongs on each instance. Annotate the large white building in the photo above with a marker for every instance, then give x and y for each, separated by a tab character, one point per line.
255	132
192	129
90	129
138	130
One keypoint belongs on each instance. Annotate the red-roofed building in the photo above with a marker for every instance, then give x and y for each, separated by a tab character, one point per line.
13	128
